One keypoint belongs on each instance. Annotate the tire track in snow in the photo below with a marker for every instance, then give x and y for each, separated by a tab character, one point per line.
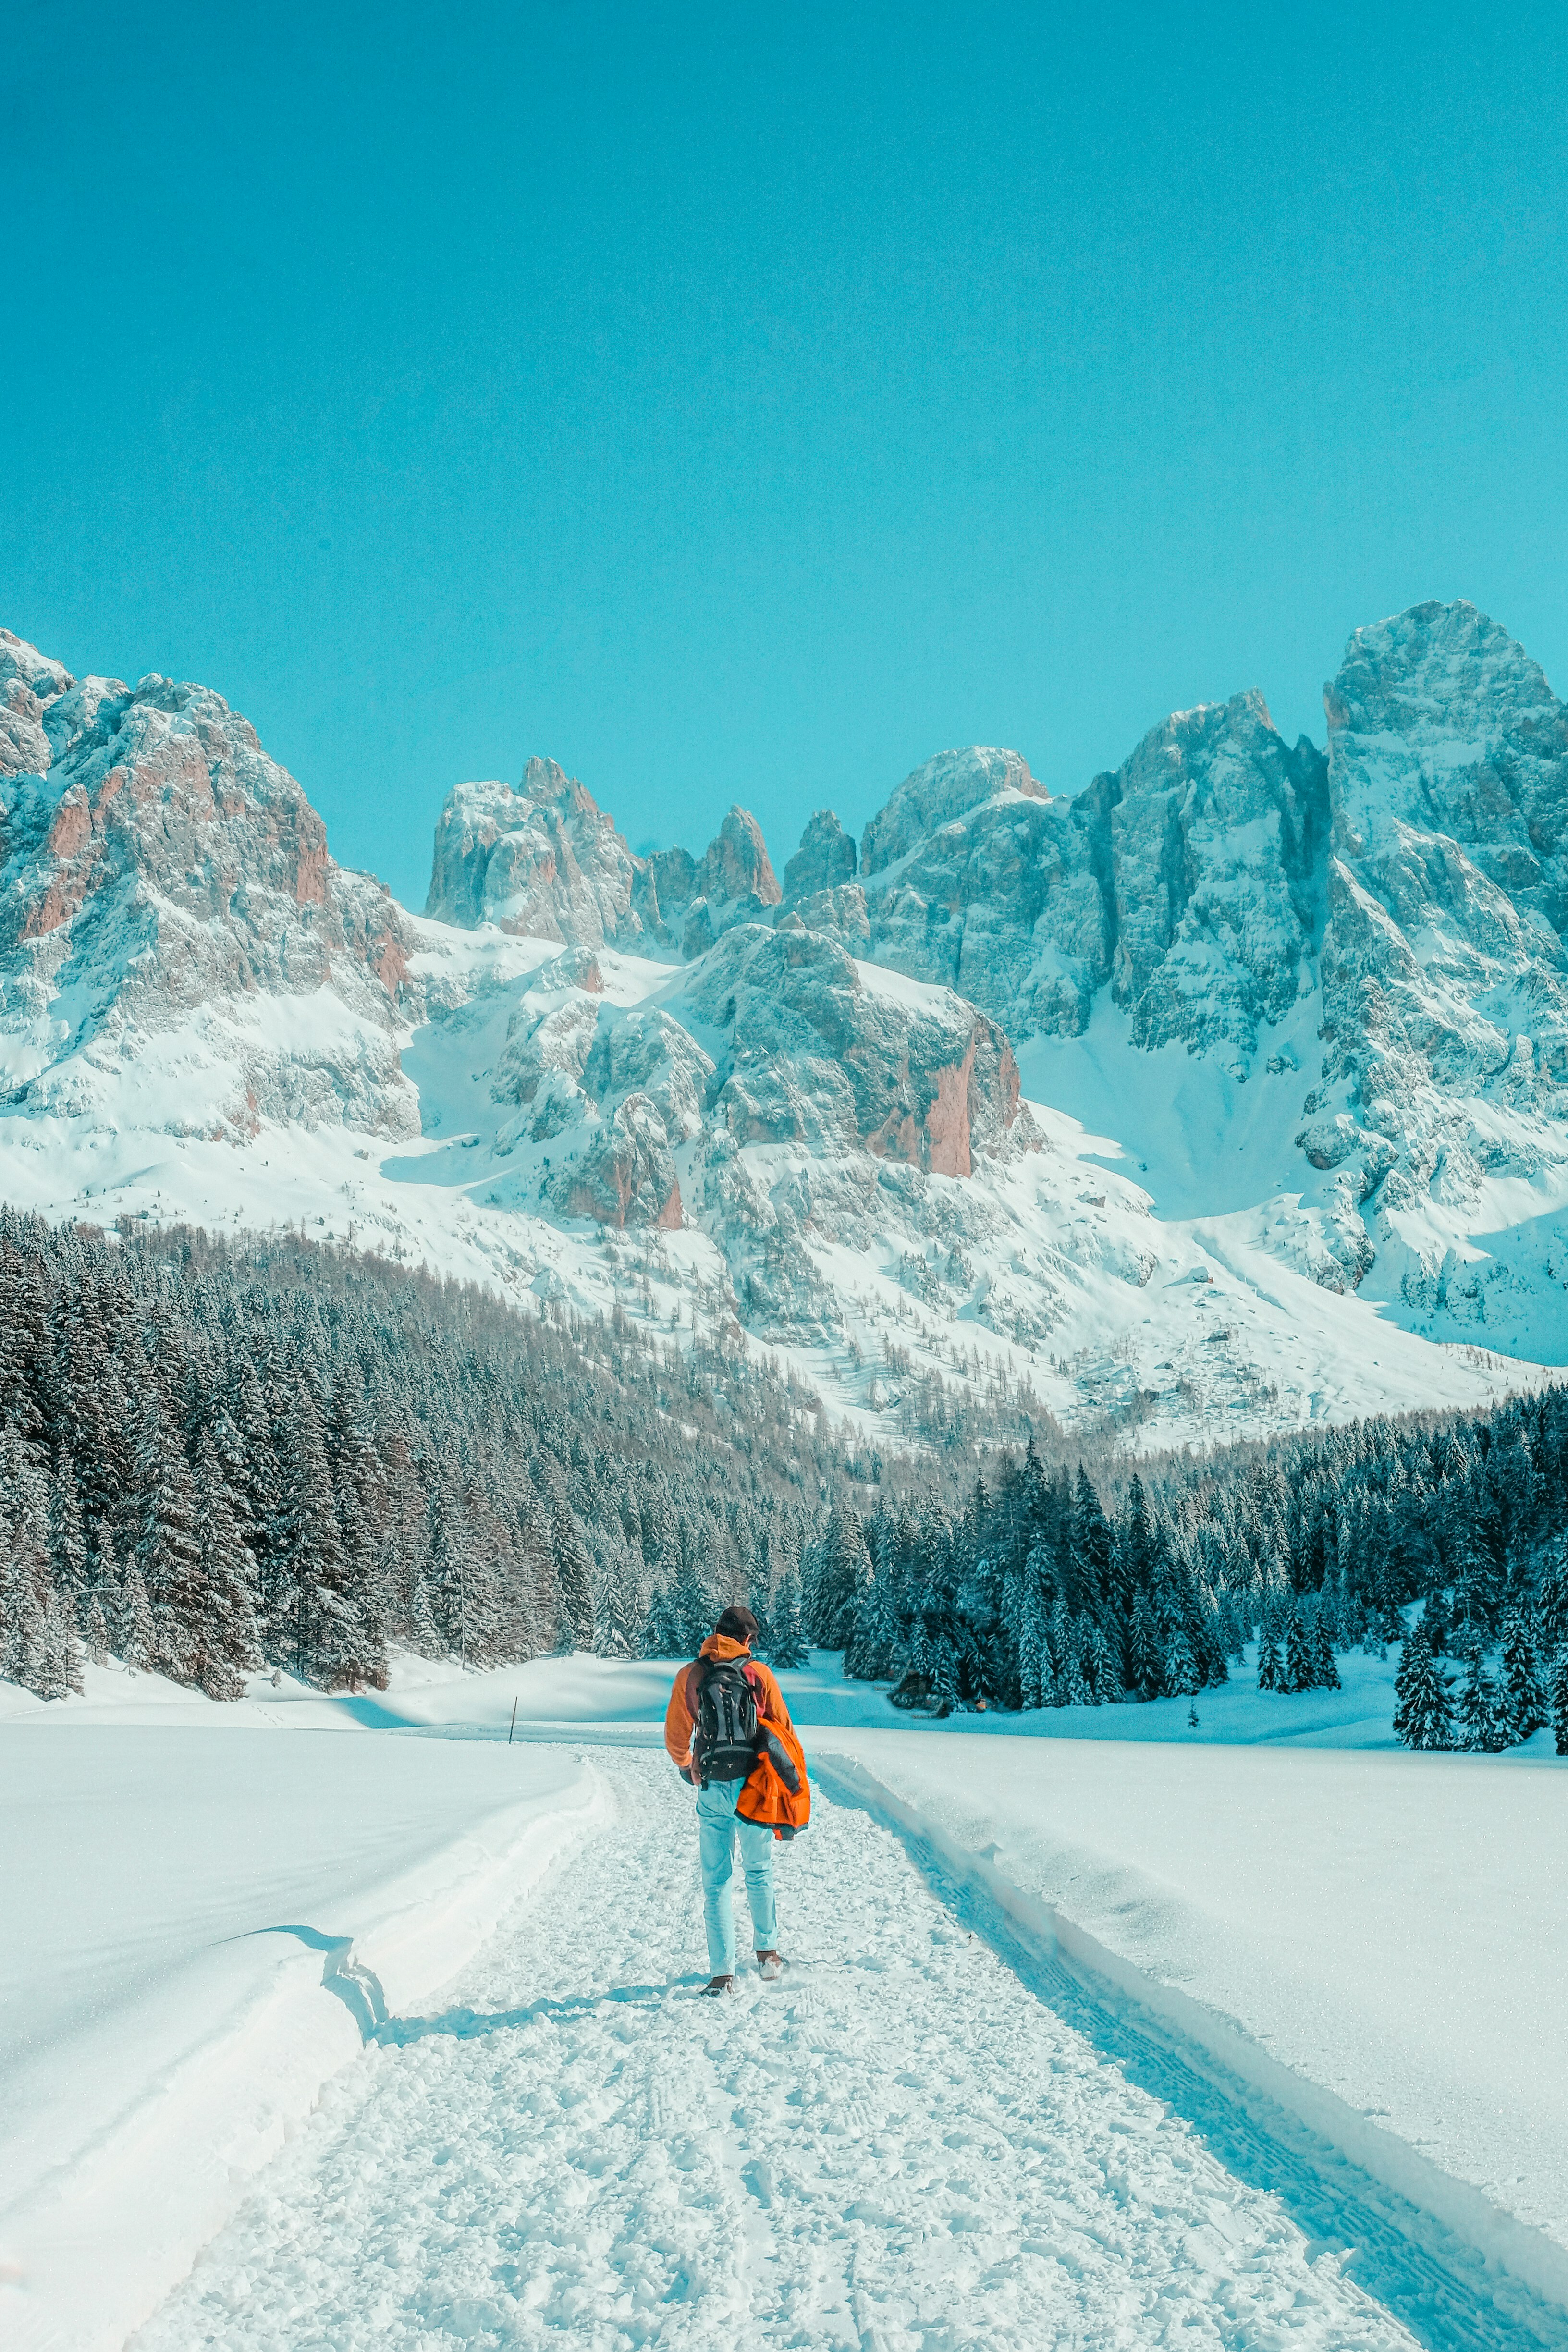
898	2147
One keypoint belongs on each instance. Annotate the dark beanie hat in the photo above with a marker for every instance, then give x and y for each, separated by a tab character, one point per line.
737	1624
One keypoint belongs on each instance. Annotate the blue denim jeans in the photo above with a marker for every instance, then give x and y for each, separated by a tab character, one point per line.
718	1826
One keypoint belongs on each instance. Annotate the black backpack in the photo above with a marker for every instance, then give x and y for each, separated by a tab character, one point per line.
724	1742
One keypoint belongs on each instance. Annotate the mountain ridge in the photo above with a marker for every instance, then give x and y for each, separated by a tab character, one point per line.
799	1101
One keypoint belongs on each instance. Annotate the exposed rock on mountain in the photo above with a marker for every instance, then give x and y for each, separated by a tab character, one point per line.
1188	880
826	858
947	787
775	1038
812	1048
734	883
1217	834
543	861
1445	968
164	878
810	1133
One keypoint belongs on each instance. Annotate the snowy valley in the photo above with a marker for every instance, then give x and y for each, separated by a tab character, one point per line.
1090	1274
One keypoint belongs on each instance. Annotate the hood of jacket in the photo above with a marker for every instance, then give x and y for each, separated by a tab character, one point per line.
721	1645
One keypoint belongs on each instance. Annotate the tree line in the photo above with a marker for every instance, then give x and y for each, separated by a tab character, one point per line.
219	1455
1444	1535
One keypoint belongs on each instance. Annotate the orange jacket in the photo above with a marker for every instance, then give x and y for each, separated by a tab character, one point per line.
765	1797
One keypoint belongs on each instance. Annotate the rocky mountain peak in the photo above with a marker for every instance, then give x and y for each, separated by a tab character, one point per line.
735	864
543	861
826	858
1216	830
1446	962
933	796
161	874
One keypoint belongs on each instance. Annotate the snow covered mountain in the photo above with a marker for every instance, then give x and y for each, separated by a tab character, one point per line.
1227	1095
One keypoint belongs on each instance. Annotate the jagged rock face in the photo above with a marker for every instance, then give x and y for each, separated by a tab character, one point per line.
826	859
1002	902
733	883
947	787
544	862
775	1038
1217	832
161	873
815	1051
1185	880
29	682
1444	965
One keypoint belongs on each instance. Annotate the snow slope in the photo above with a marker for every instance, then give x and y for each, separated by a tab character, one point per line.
175	1906
900	2145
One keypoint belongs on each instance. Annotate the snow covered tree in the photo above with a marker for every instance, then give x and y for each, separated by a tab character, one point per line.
1100	1671
844	1567
663	1627
1483	1725
1300	1651
1270	1664
1560	1703
225	1646
787	1647
1181	1666
1146	1651
1524	1701
573	1579
1423	1709
160	1532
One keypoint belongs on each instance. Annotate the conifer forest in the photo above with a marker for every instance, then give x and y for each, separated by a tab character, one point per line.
221	1456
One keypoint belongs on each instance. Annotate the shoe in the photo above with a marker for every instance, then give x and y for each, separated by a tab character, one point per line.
771	1964
715	1986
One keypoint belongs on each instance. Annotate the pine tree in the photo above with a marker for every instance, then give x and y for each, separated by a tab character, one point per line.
1560	1703
59	1651
1099	1668
1072	1682
1300	1651
1524	1701
1146	1652
226	1647
1090	1544
305	1623
68	1544
1181	1666
25	1566
843	1569
664	1630
1270	1665
573	1579
787	1648
617	1614
1325	1665
133	1631
1484	1728
1424	1711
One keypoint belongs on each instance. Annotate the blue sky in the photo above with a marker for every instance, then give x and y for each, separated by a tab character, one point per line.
746	403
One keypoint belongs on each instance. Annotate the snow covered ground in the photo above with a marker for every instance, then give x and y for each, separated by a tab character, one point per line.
1240	2037
175	1902
900	2145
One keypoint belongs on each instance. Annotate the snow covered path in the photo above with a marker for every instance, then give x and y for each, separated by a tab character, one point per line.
898	2146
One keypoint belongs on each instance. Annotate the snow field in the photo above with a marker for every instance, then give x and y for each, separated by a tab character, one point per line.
173	1907
1376	1940
898	2147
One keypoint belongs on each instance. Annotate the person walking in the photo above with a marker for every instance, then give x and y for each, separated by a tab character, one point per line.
729	1735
